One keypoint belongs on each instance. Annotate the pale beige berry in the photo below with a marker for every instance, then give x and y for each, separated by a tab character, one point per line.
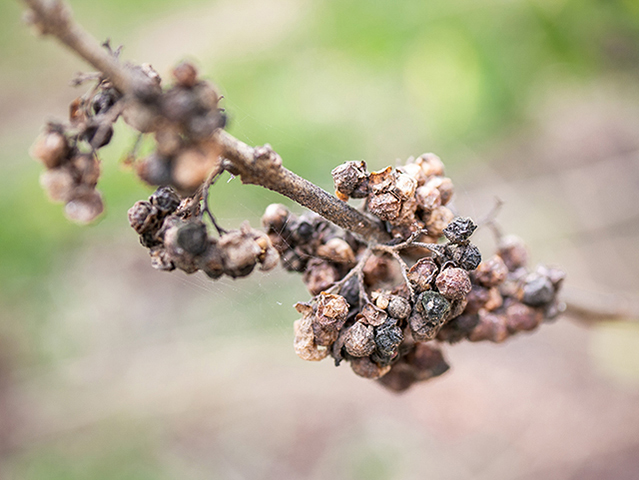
337	250
58	183
359	341
304	343
50	148
84	207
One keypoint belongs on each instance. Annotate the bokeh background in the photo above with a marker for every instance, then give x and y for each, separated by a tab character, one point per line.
112	370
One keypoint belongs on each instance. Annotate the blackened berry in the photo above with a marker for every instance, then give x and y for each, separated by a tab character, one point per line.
387	337
459	230
538	290
192	238
304	231
165	199
104	100
466	256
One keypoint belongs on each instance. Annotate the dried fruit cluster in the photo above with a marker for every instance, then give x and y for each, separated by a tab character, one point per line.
409	198
182	120
384	303
176	237
388	319
184	153
68	151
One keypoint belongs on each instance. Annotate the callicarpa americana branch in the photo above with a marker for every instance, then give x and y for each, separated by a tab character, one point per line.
392	282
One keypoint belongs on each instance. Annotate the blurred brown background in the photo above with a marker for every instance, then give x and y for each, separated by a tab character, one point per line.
111	370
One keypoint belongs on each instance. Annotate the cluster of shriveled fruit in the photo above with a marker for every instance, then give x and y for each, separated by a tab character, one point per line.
184	152
409	198
182	120
311	245
177	237
387	325
69	153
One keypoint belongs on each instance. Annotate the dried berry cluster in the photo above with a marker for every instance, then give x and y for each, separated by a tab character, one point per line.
311	245
184	152
181	119
388	319
68	151
176	237
385	308
409	198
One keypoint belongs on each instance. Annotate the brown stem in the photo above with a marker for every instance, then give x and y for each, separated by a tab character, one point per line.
262	166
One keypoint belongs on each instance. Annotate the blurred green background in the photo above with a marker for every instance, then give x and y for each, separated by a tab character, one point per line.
109	369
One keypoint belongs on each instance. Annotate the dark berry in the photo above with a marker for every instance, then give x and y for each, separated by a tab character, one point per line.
459	230
537	290
165	199
465	256
387	337
192	238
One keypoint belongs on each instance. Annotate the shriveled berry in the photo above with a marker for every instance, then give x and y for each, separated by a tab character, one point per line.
428	198
459	230
192	238
453	283
185	74
438	220
143	217
398	307
537	290
50	148
387	337
84	207
304	343
513	252
58	183
160	260
430	313
155	170
427	361
165	199
337	250
373	315
466	256
400	377
319	275
98	135
86	168
444	186
364	367
275	217
292	262
179	104
211	262
348	176
359	341
385	206
240	251
104	100
330	315
521	317
490	326
430	165
492	272
422	273
458	328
